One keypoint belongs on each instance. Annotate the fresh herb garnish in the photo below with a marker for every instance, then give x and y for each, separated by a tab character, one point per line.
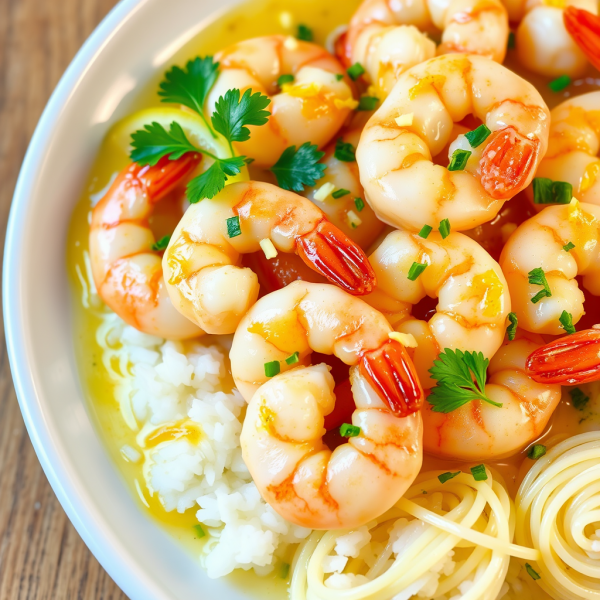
425	231
566	320
284	571
356	71
283	79
532	573
560	83
459	160
161	244
536	451
200	533
305	33
344	151
479	473
340	193
233	227
415	270
347	430
578	399
546	191
191	86
454	371
359	203
568	246
538	277
272	368
299	167
366	103
478	136
511	44
212	181
511	330
444	228
293	359
448	476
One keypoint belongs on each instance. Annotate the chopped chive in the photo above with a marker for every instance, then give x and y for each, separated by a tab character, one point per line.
568	247
347	430
425	231
293	359
200	533
478	136
459	160
305	33
355	71
339	76
566	320
447	476
546	191
272	368
367	103
511	330
536	451
444	228
340	193
532	573
233	227
560	83
287	78
562	192
359	203
538	277
511	44
162	243
578	399
415	270
284	571
478	472
344	151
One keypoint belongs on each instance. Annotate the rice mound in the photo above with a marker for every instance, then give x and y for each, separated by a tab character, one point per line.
162	383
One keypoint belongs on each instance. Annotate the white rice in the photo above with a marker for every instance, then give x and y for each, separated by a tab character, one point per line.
161	383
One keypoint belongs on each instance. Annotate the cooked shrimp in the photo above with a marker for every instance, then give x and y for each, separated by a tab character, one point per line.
574	146
472	292
479	430
543	43
402	183
201	262
311	317
127	272
350	213
281	439
583	24
312	108
542	242
299	476
569	360
386	36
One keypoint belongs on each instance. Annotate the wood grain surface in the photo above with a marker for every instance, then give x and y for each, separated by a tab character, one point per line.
41	554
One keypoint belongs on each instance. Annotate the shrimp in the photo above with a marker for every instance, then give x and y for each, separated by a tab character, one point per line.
574	146
479	430
404	186
201	262
281	438
543	43
583	24
350	212
569	360
561	242
473	295
312	108
385	36
127	272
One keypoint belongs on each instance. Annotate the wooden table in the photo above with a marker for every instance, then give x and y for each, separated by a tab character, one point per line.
41	554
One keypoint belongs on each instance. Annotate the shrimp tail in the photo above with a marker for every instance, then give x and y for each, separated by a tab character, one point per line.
329	251
506	163
569	360
392	375
166	175
584	27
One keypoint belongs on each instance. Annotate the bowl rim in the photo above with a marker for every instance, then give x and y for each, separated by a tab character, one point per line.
131	579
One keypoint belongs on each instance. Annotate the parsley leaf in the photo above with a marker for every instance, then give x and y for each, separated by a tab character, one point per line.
538	277
511	330
233	113
154	142
191	86
212	181
454	371
297	168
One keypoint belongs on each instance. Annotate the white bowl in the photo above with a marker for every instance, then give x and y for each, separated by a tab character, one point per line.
135	40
